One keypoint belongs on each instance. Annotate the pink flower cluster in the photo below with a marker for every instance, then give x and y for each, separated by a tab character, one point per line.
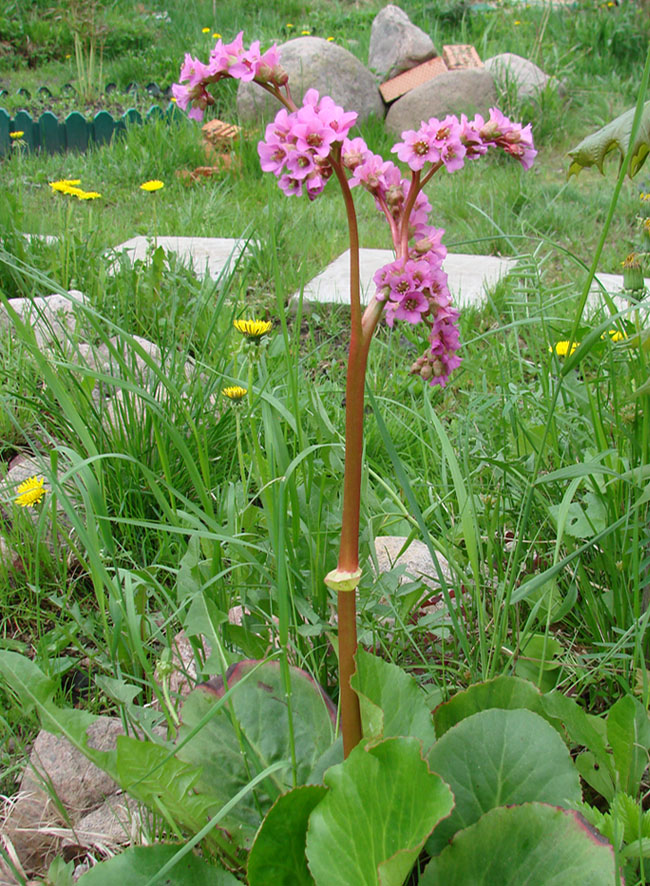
448	142
297	145
303	146
226	60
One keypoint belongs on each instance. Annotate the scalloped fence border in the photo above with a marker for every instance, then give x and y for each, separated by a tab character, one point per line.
75	133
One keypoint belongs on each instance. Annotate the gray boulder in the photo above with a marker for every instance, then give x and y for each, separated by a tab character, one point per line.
465	91
510	69
313	63
396	44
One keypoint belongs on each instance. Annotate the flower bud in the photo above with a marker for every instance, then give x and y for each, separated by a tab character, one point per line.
279	76
264	73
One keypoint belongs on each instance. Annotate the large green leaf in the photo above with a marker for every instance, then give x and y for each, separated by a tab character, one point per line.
139	865
615	136
531	845
499	758
628	733
509	693
278	853
370	827
34	691
236	740
392	703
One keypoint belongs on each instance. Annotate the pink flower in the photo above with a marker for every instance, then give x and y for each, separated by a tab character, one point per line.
193	71
416	149
411	308
273	156
300	164
310	133
354	152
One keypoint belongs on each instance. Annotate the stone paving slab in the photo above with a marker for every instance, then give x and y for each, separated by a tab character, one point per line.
613	283
204	254
469	276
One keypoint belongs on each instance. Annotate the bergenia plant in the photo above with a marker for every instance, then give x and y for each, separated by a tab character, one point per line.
304	147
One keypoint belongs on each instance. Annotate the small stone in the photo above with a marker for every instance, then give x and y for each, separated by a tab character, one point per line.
416	559
54	319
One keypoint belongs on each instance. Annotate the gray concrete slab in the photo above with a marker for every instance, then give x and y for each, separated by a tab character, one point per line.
205	254
469	276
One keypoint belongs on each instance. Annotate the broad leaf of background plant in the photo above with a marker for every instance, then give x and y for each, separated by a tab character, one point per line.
278	853
533	844
628	733
509	693
499	758
382	805
142	768
34	691
138	866
148	773
251	731
579	725
392	703
615	136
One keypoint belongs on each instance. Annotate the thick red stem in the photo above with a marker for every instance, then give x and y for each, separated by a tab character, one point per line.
361	332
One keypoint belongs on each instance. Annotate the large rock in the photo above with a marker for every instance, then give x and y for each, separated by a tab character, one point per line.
396	44
313	63
465	91
509	69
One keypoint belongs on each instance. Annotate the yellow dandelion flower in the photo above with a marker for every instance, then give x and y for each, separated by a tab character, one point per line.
234	392
561	348
88	195
646	225
30	492
68	55
614	335
205	30
65	185
330	39
19	133
216	36
253	329
516	23
153	185
644	197
288	25
305	33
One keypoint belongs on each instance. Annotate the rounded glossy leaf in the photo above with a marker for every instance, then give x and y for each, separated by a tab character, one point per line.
278	853
505	692
498	758
531	845
382	804
138	865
